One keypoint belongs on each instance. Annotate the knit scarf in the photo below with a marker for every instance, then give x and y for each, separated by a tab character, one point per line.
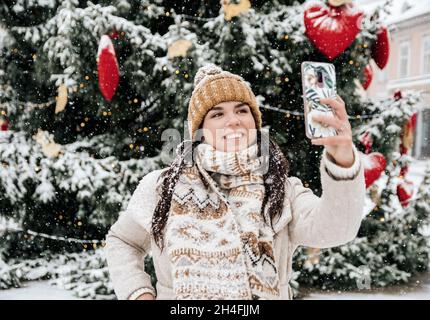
219	245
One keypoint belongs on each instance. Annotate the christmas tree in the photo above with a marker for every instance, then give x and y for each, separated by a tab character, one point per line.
88	88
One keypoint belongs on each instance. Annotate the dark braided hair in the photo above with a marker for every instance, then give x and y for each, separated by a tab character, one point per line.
274	185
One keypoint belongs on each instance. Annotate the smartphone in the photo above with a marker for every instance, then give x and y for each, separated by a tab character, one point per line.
318	81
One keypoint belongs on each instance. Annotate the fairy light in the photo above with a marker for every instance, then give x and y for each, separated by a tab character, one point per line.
34	56
286	79
286	37
105	113
186	76
86	119
79	223
145	129
109	113
30	234
87	78
351	62
177	71
164	68
82	124
135	100
81	85
131	146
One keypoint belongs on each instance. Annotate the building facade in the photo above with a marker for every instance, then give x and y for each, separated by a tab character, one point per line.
408	67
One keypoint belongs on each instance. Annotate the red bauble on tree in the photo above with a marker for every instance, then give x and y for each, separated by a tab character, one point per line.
367	141
332	29
114	34
404	170
368	76
397	95
407	134
405	191
374	165
108	69
4	123
381	48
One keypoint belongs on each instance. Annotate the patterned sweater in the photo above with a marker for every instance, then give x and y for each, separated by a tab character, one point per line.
319	222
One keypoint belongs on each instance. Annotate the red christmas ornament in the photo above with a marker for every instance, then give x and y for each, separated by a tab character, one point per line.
407	134
403	171
108	69
368	76
332	29
381	48
397	95
114	34
405	191
367	141
4	124
374	165
412	123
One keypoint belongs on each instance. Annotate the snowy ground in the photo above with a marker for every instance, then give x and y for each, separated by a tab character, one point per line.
418	289
37	290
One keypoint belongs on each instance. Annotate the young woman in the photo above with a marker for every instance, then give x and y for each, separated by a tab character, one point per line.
224	226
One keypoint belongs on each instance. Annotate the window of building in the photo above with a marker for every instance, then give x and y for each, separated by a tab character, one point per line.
404	59
422	135
426	55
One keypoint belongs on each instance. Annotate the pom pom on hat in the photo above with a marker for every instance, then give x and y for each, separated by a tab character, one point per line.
209	69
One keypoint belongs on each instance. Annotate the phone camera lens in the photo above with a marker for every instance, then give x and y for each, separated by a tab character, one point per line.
319	77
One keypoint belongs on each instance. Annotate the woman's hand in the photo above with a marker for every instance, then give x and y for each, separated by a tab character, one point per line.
338	147
146	296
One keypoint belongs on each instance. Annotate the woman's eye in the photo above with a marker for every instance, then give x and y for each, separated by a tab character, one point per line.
243	111
216	115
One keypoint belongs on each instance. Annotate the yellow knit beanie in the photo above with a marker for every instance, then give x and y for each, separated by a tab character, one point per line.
212	85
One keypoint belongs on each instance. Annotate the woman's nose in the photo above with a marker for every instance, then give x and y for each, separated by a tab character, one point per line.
232	120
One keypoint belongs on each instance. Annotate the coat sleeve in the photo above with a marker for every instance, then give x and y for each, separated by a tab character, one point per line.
334	218
128	242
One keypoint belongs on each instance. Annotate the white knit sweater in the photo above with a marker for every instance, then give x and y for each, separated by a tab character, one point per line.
319	222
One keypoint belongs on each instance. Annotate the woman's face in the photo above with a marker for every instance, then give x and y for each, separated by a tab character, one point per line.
229	126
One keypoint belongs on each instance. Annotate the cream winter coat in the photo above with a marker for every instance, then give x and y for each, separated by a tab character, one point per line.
319	222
